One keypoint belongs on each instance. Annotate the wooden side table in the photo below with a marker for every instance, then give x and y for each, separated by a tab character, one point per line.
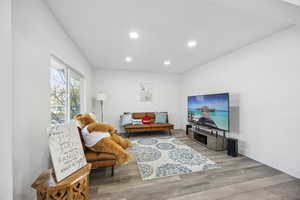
74	187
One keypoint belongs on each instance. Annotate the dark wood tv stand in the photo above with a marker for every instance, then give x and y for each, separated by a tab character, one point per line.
211	138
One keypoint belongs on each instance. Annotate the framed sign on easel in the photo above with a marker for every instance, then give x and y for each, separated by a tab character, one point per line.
66	150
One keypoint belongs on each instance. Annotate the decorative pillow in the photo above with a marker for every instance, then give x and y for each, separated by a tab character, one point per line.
136	121
152	115
146	120
138	115
160	117
126	119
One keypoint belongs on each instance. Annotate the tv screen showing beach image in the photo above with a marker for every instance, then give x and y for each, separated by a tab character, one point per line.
209	110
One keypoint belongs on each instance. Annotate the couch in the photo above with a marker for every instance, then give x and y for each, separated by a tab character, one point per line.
98	159
147	127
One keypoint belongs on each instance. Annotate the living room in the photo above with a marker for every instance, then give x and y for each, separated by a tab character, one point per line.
153	57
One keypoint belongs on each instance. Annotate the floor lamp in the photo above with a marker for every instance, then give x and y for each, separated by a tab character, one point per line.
101	98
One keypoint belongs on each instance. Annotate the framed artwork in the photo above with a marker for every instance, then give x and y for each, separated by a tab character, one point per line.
146	91
66	150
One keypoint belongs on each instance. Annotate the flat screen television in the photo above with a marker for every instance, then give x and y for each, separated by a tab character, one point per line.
209	110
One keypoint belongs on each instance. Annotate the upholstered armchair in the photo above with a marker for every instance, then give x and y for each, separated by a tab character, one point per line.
98	159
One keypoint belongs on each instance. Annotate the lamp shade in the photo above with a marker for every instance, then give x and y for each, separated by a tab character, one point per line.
100	96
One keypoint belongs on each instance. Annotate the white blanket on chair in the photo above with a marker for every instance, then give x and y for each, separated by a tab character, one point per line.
90	139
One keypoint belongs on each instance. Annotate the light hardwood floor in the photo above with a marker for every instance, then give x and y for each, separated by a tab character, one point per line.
238	178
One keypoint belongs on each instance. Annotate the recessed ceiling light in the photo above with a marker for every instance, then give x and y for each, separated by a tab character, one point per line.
295	2
128	59
192	43
167	62
134	35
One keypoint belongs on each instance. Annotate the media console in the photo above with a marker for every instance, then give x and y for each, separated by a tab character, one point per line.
211	138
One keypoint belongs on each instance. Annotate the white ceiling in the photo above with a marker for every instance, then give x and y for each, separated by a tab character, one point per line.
100	29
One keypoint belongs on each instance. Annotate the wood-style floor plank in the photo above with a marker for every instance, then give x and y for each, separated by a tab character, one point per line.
238	178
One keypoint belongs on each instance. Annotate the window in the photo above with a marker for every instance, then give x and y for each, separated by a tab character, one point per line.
66	92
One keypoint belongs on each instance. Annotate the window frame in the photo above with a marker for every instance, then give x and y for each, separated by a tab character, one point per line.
68	70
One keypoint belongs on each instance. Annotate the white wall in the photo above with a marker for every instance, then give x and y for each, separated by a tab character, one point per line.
263	79
36	35
122	89
6	101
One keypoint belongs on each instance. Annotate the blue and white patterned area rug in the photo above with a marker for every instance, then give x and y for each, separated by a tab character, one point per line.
167	156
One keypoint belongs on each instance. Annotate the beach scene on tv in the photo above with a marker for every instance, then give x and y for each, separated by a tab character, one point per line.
209	110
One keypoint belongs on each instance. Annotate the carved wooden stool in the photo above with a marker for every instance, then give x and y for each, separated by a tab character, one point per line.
74	187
